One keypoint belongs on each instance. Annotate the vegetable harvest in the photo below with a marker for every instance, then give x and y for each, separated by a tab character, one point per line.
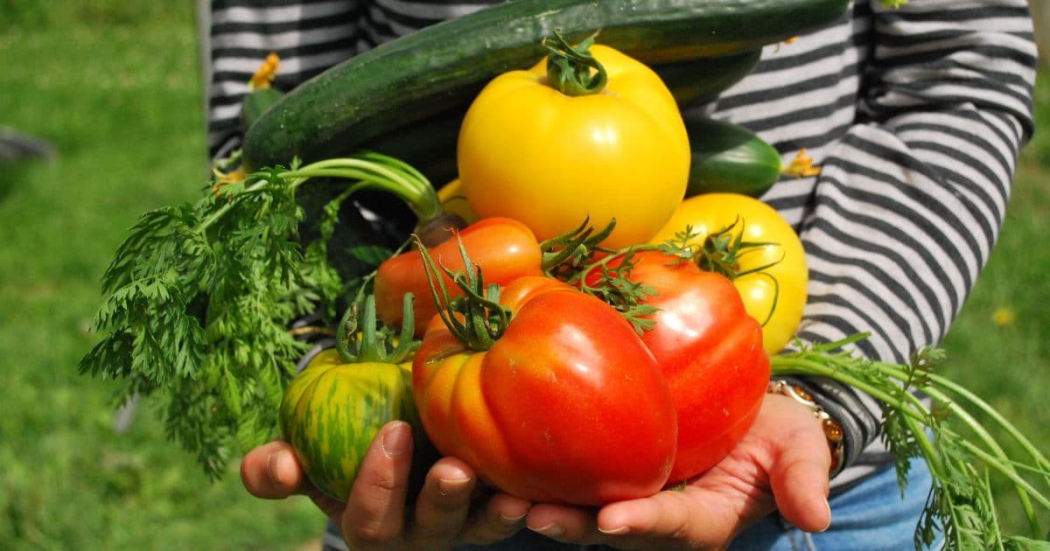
566	364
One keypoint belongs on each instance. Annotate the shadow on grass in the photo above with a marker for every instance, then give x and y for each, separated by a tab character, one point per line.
18	153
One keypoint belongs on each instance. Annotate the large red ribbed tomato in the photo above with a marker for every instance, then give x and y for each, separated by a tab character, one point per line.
709	349
567	406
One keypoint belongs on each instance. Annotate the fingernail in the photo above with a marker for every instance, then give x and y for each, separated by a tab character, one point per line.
828	525
271	465
614	531
448	485
512	520
396	439
551	530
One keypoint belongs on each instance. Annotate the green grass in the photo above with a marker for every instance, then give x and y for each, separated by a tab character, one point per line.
1009	364
115	87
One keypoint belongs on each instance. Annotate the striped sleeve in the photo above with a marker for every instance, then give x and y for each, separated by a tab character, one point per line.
910	200
309	36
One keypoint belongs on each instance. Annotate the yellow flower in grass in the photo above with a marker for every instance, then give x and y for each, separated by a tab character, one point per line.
1003	317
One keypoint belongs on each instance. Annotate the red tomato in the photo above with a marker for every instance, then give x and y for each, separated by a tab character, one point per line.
711	352
568	405
505	250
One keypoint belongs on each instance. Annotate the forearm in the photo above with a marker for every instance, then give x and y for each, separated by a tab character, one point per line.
910	200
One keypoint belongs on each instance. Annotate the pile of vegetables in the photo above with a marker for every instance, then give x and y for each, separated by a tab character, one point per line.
594	311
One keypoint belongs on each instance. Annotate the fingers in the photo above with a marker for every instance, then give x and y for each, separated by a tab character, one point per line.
670	516
447	511
374	515
800	484
798	474
444	503
271	471
375	511
564	523
503	516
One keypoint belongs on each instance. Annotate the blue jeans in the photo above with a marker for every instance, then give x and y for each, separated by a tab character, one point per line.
871	516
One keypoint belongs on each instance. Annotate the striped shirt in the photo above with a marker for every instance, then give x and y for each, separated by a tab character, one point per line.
915	115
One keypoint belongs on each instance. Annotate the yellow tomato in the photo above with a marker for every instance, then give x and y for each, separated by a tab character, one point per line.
783	281
530	152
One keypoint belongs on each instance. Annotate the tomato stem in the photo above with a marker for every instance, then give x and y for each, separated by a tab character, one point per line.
363	342
569	69
721	252
482	319
564	254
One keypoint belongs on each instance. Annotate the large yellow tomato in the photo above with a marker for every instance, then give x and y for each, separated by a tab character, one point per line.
533	153
785	275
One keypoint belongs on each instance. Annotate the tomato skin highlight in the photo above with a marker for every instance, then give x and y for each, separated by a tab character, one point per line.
785	257
529	152
504	249
568	406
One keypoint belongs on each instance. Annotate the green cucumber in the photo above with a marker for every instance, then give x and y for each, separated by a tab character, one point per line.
442	67
700	80
729	158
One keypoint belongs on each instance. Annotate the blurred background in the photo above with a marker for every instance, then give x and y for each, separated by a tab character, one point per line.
101	118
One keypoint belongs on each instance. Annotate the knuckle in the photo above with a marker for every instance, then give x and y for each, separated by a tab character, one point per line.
385	483
369	535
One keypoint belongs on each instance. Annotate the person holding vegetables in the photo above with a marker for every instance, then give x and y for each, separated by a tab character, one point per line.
914	112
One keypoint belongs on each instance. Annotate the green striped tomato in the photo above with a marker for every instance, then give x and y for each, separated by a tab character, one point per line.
332	410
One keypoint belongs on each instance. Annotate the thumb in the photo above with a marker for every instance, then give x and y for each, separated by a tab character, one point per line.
271	471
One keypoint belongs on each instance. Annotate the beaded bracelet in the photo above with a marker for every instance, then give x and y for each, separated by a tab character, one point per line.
832	429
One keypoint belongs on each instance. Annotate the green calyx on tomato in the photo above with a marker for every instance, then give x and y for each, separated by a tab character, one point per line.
569	69
720	253
364	343
482	319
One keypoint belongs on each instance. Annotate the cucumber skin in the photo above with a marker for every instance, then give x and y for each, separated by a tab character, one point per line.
700	80
729	158
442	67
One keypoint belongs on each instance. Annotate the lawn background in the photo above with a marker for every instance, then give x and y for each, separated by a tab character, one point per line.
115	87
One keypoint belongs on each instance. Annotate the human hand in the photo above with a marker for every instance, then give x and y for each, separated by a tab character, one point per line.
782	463
449	510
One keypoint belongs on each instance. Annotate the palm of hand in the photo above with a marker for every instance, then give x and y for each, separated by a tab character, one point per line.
782	464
